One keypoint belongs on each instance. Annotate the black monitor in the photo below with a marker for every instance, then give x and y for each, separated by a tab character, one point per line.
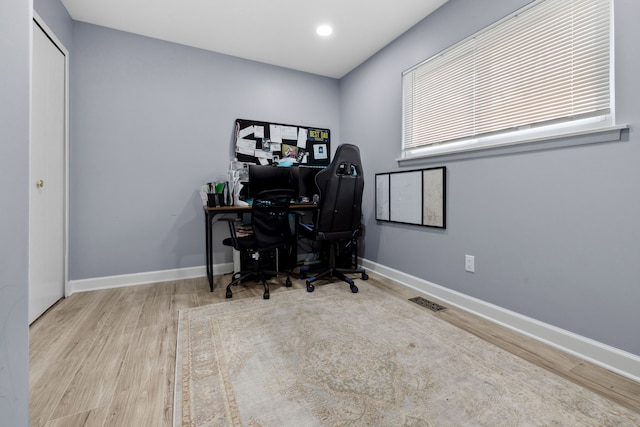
264	177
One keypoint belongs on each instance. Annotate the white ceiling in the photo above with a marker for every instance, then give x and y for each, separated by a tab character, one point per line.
278	32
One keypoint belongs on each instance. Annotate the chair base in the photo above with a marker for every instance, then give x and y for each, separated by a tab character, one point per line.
258	276
333	271
338	273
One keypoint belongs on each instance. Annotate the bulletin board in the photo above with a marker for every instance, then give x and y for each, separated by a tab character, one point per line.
412	197
268	143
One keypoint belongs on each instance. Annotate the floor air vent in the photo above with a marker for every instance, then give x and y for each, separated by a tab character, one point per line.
428	304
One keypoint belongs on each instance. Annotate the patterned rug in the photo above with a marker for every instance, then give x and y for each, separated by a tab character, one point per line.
333	358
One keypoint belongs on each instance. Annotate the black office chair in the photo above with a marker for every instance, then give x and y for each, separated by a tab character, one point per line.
338	220
271	232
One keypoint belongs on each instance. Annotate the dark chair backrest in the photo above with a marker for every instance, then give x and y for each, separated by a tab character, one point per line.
341	185
270	218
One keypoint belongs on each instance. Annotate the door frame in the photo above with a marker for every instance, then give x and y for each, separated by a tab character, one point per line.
37	20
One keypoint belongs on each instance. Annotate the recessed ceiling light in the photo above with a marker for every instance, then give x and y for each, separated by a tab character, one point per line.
324	30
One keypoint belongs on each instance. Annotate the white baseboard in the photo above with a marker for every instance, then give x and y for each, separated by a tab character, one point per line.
108	282
611	358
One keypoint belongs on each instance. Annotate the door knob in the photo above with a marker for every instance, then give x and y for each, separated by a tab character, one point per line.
40	183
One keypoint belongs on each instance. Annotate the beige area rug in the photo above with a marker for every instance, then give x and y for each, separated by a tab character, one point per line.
333	358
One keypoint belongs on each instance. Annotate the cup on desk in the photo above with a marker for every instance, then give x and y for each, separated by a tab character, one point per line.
215	199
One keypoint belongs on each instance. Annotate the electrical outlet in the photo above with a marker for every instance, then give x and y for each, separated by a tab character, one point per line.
470	263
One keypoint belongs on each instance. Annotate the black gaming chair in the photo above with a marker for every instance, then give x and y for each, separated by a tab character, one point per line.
271	232
338	219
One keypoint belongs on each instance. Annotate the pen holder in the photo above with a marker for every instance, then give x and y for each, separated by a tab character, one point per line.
215	199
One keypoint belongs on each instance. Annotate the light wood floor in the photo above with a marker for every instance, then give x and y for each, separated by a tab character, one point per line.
107	358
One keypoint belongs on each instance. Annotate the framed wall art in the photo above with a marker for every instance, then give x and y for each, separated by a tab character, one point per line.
412	197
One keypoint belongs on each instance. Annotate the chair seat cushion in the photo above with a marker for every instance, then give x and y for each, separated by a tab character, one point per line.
249	243
337	235
244	243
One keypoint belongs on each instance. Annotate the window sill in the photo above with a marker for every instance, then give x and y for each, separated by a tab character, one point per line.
591	136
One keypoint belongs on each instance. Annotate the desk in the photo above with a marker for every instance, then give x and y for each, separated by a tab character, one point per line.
211	213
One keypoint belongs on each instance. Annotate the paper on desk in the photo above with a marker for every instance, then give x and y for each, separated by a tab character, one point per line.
203	194
236	195
235	185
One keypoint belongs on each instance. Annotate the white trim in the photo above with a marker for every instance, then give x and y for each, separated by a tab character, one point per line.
108	282
605	356
547	142
40	22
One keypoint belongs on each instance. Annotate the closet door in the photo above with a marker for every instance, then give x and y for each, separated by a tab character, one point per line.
47	173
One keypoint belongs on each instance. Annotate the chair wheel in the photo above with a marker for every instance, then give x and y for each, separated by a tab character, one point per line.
229	294
288	283
310	287
365	276
266	295
354	288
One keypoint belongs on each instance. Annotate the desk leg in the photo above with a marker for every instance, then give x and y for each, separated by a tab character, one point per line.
209	251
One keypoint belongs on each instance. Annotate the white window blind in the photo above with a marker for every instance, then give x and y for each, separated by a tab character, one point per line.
545	64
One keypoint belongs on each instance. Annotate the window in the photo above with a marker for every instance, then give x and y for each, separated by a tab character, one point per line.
545	67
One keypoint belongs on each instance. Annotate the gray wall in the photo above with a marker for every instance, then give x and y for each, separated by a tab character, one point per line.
151	122
15	34
555	234
57	19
